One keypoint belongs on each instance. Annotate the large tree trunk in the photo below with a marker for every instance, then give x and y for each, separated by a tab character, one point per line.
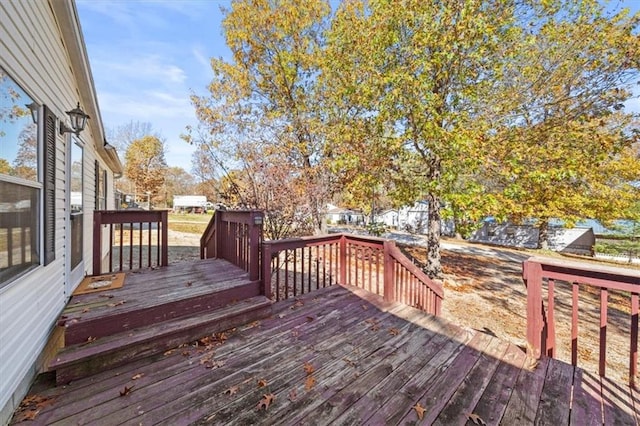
434	267
543	235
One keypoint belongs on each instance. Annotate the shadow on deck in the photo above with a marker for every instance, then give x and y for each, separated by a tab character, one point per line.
338	356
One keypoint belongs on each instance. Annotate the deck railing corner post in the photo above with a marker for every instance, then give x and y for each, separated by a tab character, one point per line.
266	270
164	218
97	242
532	276
343	260
389	276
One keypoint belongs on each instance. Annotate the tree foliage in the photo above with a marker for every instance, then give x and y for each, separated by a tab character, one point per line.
145	164
510	108
266	95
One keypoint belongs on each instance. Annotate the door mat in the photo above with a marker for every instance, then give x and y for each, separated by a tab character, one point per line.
99	283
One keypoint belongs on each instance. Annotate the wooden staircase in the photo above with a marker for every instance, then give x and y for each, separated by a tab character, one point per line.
155	311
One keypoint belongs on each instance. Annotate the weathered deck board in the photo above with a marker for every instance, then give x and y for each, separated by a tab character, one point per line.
154	295
370	364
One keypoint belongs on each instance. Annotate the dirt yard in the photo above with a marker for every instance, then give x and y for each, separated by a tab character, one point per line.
484	291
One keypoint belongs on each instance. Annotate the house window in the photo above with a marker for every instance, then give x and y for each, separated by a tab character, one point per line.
101	187
21	181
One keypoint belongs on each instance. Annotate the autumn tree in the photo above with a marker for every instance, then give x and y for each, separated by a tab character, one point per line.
122	136
413	75
564	144
177	182
267	93
145	164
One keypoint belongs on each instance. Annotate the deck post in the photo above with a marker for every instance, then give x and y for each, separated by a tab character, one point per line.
164	218
255	232
97	242
266	270
532	276
389	275
343	260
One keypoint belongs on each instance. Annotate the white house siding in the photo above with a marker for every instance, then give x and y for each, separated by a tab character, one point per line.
34	56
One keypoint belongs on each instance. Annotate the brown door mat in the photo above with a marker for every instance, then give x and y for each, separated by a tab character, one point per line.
99	283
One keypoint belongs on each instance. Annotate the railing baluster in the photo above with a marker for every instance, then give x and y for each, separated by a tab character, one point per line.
575	288
551	322
633	351
604	293
149	246
140	224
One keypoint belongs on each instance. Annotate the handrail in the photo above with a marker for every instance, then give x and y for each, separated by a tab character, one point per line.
295	266
207	240
139	221
235	235
541	325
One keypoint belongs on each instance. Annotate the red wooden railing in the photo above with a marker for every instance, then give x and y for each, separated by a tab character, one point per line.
128	243
296	266
541	324
234	236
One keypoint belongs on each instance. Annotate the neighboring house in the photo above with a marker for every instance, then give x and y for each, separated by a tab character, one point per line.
565	240
339	216
50	182
414	218
388	217
190	203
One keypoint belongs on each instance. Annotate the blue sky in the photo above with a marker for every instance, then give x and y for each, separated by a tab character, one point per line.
147	57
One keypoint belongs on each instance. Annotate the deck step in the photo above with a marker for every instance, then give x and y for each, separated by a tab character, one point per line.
85	359
80	327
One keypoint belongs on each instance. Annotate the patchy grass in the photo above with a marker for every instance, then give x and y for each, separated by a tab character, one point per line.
189	228
189	217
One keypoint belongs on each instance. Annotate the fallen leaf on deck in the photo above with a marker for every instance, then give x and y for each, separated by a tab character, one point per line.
374	324
293	395
214	364
108	296
113	305
308	368
420	410
310	383
137	376
309	319
532	364
89	340
266	401
188	284
298	304
186	353
30	407
126	390
365	307
169	352
295	333
394	331
221	337
476	419
348	361
262	383
232	390
85	310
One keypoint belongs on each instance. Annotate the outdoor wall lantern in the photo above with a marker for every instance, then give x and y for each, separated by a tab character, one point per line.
33	108
257	220
78	121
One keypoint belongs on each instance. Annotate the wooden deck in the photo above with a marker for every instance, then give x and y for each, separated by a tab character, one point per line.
334	358
153	295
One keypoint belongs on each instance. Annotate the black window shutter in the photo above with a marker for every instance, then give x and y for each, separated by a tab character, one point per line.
49	186
97	185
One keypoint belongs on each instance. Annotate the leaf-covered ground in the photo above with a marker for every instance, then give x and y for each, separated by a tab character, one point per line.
486	292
